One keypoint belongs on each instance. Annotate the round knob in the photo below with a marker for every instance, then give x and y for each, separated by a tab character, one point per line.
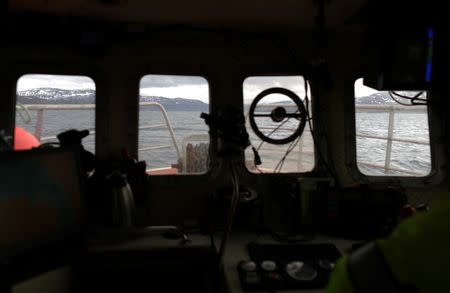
301	271
269	265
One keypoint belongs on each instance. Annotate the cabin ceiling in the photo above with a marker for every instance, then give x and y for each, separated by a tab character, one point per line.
224	13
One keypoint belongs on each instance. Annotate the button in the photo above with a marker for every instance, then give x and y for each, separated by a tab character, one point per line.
269	265
294	266
248	266
301	271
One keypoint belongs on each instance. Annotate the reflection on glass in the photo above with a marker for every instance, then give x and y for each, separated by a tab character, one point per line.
295	157
173	139
391	139
50	104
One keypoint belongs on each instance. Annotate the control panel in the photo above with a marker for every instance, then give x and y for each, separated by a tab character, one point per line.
287	267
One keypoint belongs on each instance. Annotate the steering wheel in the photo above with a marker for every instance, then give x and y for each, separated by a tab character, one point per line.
279	115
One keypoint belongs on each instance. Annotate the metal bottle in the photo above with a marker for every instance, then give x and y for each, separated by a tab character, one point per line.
123	206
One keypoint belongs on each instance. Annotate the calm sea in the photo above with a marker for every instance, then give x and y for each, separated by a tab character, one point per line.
188	127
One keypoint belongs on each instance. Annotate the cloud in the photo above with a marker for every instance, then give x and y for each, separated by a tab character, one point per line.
152	81
171	86
69	82
256	84
199	92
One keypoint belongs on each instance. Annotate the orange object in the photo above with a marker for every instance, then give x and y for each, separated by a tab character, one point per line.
163	171
23	140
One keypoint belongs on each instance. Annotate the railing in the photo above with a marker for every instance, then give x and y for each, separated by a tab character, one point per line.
302	155
391	109
44	107
301	152
390	138
168	125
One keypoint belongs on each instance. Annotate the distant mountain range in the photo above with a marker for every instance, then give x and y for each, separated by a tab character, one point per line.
56	96
380	98
87	96
177	104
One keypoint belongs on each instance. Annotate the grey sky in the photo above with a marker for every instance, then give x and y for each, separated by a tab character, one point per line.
69	82
171	81
171	86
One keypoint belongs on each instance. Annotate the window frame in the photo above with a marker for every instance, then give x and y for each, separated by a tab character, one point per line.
263	73
88	72
141	74
436	147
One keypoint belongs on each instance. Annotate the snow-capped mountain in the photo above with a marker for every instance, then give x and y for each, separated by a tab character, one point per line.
177	104
56	96
87	96
382	98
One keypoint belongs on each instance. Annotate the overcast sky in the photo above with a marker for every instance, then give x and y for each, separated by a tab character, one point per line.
189	87
69	82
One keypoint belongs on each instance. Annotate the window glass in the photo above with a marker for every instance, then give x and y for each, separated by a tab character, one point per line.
173	139
295	156
50	104
392	135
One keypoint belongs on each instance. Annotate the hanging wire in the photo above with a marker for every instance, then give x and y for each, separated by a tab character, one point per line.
291	147
280	164
293	144
398	102
255	151
231	212
413	100
309	118
275	129
256	158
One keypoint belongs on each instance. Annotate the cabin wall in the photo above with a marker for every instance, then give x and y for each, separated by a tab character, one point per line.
224	59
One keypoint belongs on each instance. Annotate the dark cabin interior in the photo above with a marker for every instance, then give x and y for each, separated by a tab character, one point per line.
195	231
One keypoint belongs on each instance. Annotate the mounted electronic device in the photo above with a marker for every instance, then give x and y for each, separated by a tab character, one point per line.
402	63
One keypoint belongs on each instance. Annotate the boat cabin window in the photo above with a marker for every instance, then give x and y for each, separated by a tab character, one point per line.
392	132
173	139
47	105
296	156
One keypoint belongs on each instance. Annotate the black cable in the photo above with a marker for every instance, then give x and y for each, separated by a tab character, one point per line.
294	143
256	156
415	97
259	170
275	129
309	118
423	102
282	159
233	206
288	151
398	102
